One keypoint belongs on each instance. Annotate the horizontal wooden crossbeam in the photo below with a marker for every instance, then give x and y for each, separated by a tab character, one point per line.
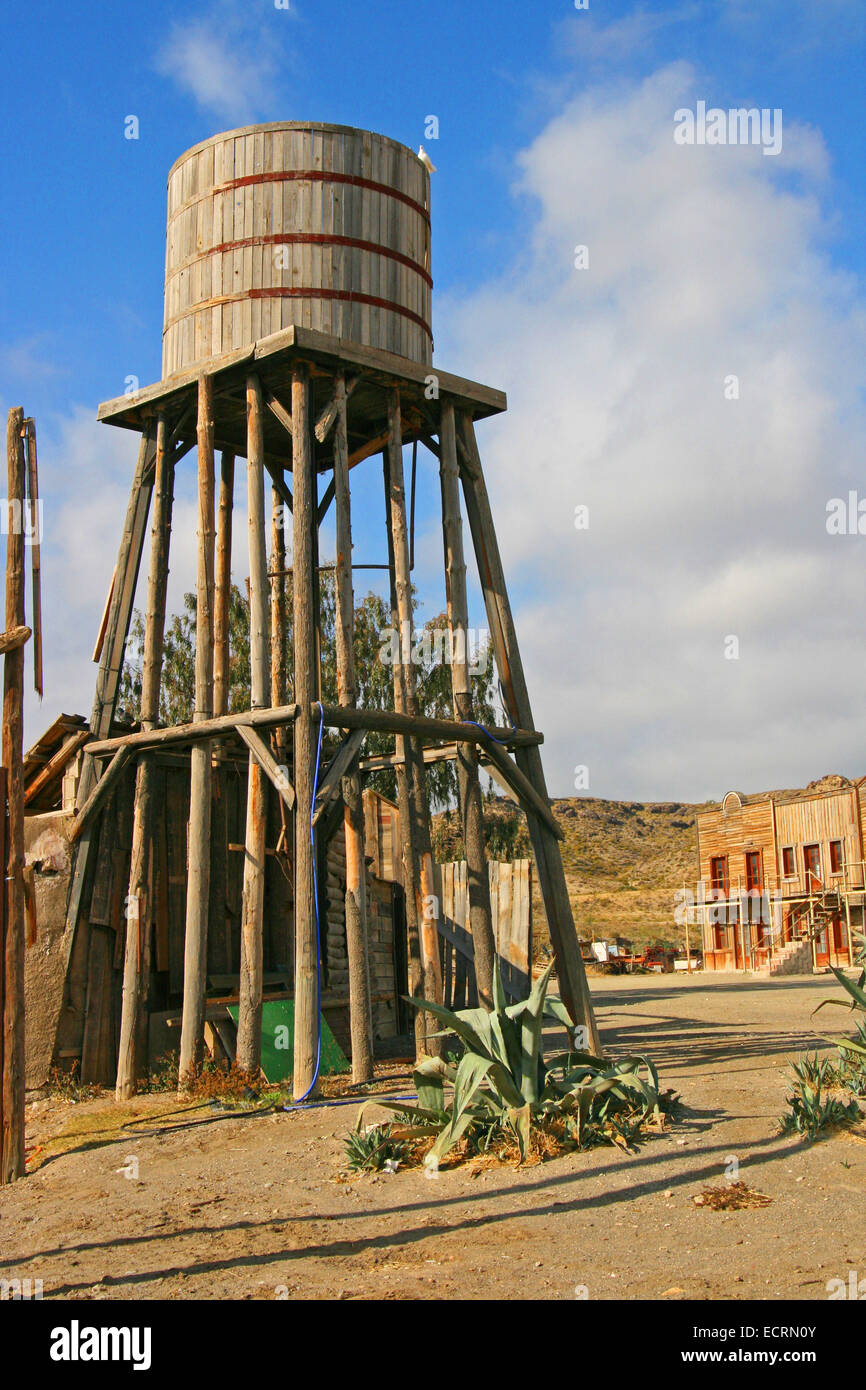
417	726
193	733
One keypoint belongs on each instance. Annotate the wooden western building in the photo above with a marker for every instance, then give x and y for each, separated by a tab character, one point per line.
782	887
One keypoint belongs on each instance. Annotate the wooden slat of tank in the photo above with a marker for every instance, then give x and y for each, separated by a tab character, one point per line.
292	202
338	164
371	171
326	252
307	157
256	262
400	329
258	229
353	312
315	252
317	225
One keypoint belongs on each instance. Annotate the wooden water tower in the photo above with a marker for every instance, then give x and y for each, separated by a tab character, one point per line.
298	336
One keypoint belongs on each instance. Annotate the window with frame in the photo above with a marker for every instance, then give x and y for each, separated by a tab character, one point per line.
837	857
719	873
789	862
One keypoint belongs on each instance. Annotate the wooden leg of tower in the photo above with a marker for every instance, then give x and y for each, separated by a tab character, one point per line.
12	929
249	1050
136	963
469	786
424	884
223	585
111	658
360	1016
307	1004
409	858
201	771
560	921
220	919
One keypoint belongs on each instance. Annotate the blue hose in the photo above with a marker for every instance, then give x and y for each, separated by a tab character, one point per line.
316	906
501	741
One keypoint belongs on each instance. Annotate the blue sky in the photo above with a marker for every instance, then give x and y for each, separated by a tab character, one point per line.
554	130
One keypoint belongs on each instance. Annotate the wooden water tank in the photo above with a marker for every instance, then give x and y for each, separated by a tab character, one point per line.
291	223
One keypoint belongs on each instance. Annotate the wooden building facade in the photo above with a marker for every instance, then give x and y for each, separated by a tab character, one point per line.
782	886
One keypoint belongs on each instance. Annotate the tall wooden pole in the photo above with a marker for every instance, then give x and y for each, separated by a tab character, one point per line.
360	1015
306	683
249	1049
12	1071
423	1023
560	921
35	552
424	884
223	585
201	775
279	671
113	651
469	786
131	1057
220	918
279	668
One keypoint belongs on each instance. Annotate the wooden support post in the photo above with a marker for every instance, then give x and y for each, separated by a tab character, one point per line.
35	552
201	767
223	585
551	875
112	652
12	939
306	681
469	786
277	574
279	673
402	773
131	1060
360	1013
249	1050
423	884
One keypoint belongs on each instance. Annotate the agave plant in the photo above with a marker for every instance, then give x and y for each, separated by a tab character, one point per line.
853	1050
811	1110
374	1149
501	1082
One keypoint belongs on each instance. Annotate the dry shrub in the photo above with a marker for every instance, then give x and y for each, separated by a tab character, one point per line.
736	1196
212	1082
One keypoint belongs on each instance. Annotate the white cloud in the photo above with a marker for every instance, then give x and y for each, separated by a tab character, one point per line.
228	61
707	515
28	359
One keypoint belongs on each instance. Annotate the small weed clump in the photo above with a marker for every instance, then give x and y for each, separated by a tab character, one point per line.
373	1149
65	1084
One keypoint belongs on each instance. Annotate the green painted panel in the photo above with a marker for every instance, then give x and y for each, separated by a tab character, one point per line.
278	1031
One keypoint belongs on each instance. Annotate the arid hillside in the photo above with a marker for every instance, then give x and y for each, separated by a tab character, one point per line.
624	860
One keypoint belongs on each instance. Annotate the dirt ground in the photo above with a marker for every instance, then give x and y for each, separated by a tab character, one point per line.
255	1208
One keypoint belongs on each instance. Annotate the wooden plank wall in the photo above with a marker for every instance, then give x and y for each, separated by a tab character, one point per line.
818	821
382	837
732	832
511	904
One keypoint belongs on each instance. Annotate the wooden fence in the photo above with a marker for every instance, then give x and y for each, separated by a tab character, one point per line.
511	904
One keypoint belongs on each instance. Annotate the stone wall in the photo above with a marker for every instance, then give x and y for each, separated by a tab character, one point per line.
47	854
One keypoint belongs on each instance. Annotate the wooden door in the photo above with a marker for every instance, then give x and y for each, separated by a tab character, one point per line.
812	866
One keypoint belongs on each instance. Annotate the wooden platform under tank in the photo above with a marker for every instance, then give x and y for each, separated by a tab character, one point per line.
272	359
